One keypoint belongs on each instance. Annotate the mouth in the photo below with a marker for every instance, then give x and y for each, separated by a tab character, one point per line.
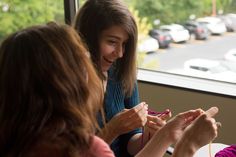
107	60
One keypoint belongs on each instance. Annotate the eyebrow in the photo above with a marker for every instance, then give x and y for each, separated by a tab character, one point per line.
116	37
113	36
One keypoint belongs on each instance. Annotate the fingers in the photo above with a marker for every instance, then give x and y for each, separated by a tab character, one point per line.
138	108
206	120
138	114
141	110
142	107
166	116
156	120
208	125
212	111
218	124
190	115
153	127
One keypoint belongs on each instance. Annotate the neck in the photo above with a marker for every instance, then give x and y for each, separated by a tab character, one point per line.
104	81
105	73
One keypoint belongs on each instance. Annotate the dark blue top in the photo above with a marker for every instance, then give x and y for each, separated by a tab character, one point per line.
115	101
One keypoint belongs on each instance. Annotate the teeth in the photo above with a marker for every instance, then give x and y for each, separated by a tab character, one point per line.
108	60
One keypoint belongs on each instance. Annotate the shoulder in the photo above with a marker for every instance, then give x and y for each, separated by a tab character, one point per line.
100	148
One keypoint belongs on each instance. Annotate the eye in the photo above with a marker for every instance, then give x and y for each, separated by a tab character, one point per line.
112	42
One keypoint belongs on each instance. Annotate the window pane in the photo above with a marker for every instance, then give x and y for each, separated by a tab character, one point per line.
18	14
187	37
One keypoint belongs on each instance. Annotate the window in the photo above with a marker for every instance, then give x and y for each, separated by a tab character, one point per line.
198	56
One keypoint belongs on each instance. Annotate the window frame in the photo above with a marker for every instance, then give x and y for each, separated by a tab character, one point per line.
70	8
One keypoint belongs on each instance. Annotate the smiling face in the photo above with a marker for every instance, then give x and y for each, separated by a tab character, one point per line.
112	46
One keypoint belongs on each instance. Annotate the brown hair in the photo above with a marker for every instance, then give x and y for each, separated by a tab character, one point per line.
96	16
49	90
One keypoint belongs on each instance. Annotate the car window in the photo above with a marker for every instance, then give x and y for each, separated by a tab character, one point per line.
199	68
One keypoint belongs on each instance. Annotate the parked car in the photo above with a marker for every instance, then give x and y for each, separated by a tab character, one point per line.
208	69
163	38
199	30
233	19
229	22
231	55
212	69
214	24
147	45
177	32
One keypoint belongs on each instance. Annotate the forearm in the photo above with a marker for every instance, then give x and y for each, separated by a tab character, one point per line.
136	143
108	135
157	145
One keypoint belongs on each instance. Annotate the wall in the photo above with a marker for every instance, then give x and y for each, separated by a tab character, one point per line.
178	100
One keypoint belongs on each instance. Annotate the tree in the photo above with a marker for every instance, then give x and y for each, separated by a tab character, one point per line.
23	13
173	11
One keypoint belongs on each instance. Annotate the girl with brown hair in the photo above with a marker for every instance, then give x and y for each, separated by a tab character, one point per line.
49	95
110	31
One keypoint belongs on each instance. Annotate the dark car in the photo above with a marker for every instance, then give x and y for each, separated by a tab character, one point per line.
163	38
199	30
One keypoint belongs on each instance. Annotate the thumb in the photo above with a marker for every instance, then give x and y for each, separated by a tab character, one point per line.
125	110
212	111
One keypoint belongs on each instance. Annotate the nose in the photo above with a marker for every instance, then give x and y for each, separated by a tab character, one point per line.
120	51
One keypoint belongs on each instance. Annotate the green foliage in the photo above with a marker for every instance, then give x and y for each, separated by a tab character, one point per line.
142	23
178	11
23	13
149	8
80	2
152	64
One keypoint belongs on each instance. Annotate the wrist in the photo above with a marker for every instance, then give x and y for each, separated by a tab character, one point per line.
157	145
185	148
111	131
167	135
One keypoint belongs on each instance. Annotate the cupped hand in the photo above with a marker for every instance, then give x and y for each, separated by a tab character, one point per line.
203	130
176	126
128	119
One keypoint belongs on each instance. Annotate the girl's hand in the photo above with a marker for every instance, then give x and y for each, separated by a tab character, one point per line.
202	131
155	123
124	122
176	126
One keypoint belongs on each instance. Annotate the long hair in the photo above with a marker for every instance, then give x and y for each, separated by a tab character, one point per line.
48	90
96	16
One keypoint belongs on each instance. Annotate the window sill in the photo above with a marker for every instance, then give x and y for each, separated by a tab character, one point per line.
204	85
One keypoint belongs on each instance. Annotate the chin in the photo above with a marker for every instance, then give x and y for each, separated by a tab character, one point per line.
105	69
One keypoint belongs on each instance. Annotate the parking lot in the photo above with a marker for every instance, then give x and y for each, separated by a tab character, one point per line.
174	57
